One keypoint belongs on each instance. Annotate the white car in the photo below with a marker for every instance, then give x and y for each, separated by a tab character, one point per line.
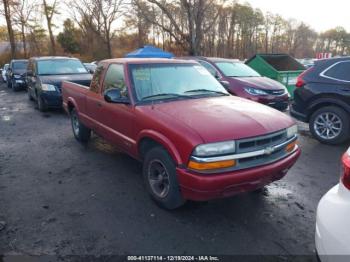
333	219
3	74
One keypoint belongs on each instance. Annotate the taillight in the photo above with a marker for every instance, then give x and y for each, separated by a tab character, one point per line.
300	82
300	79
346	170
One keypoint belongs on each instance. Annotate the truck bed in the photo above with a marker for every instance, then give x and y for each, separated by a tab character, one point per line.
74	92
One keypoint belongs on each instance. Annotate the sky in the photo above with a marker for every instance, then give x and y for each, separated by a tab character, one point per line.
321	15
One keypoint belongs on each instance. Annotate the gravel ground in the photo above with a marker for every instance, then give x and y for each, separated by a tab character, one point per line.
58	197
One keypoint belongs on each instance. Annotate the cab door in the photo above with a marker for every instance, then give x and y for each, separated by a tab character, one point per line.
94	99
116	119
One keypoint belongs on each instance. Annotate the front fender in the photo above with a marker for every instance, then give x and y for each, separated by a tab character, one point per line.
162	140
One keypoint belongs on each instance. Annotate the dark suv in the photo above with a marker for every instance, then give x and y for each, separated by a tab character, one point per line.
16	74
241	80
46	74
322	99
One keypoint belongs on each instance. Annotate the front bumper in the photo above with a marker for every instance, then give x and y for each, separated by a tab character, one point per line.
52	99
202	187
19	83
278	102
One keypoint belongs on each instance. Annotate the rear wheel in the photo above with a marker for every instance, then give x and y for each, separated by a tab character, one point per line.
159	173
330	125
80	131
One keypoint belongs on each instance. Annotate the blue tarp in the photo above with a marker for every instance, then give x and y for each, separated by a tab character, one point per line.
149	51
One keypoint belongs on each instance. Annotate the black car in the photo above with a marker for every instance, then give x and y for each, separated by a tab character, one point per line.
91	67
16	74
46	74
322	99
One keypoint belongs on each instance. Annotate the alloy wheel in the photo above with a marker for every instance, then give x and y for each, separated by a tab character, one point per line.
328	125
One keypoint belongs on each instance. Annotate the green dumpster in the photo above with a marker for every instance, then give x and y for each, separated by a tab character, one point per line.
281	67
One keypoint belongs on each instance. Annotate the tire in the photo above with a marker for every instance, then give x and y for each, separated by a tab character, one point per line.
80	131
163	189
331	118
29	95
14	87
41	104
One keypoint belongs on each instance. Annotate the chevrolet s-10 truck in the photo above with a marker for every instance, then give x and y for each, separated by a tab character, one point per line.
195	140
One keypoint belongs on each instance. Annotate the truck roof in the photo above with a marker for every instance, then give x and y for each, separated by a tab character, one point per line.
148	61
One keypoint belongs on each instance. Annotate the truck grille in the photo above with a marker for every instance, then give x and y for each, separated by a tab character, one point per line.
261	143
255	151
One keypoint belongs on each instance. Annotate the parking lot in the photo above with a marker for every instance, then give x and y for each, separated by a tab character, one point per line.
59	197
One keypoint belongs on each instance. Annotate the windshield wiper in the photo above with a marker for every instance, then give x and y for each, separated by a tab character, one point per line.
206	91
166	94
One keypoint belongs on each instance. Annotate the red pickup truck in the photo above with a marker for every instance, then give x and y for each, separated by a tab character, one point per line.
195	140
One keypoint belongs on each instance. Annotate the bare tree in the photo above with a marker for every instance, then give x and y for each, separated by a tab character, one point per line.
8	12
50	11
99	16
23	10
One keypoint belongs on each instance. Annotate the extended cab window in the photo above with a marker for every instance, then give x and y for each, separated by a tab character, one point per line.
339	71
115	79
95	82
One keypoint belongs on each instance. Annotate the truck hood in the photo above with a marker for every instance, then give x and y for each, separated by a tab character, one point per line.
225	118
260	82
82	79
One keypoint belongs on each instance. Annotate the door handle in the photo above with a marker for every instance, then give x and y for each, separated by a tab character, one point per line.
99	104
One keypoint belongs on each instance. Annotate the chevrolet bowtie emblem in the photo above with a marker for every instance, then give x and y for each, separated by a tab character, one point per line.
269	150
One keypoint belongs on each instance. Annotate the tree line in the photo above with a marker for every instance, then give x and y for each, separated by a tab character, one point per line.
98	29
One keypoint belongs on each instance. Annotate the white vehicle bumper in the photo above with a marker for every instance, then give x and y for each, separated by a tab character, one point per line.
332	235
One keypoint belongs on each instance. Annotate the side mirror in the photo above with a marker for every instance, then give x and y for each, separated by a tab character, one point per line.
217	75
225	84
114	96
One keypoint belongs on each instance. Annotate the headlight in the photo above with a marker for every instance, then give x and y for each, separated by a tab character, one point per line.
292	131
17	76
215	149
255	91
47	87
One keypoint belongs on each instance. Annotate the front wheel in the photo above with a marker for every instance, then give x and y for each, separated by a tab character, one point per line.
330	125
29	95
14	86
159	173
41	104
80	131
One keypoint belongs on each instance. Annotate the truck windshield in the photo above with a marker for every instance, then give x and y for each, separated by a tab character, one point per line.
235	69
61	67
173	81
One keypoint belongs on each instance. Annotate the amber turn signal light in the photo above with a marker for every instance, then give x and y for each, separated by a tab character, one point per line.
211	165
290	147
